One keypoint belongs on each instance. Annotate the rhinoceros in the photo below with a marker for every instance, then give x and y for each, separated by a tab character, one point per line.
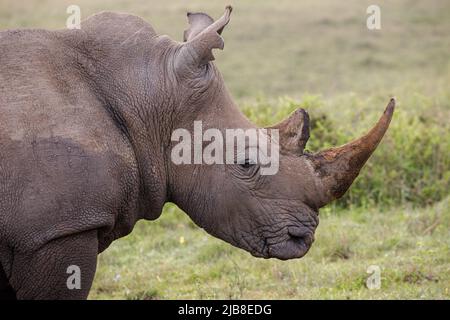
85	133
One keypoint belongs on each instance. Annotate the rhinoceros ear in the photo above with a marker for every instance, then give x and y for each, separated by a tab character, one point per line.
204	35
197	23
294	132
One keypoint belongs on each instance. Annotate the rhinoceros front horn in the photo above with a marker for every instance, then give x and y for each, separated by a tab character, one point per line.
337	168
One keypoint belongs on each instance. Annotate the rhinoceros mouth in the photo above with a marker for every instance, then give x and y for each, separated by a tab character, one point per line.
295	245
292	242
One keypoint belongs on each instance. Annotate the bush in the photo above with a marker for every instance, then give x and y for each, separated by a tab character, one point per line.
410	165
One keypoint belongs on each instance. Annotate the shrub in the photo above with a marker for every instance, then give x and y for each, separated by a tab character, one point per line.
410	165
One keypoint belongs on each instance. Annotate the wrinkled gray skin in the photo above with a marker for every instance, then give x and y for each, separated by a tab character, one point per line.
85	136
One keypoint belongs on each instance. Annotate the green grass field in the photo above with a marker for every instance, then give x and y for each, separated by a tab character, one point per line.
172	258
280	55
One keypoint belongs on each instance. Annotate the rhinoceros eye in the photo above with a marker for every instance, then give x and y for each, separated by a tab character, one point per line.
246	169
247	164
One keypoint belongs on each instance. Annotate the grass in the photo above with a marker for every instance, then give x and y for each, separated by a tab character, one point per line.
319	55
173	259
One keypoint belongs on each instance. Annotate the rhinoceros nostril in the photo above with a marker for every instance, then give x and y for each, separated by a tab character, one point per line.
301	234
297	232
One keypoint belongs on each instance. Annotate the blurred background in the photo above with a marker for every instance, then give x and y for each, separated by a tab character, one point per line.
319	55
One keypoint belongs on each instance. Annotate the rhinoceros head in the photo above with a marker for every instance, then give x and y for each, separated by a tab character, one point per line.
272	215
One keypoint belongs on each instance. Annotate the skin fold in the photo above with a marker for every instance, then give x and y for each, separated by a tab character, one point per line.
85	134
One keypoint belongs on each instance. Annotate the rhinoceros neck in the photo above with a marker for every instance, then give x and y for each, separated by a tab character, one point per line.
143	122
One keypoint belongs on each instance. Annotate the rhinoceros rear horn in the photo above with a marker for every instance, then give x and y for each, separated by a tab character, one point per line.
294	132
337	168
204	35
